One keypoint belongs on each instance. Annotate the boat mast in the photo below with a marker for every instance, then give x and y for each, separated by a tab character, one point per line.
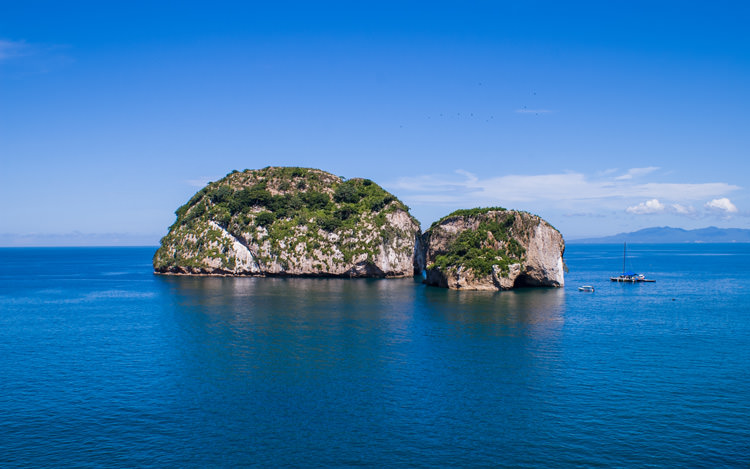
624	251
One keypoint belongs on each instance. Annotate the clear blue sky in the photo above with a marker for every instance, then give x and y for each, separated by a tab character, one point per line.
601	117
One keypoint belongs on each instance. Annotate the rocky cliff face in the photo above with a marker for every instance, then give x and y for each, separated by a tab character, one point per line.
493	249
295	222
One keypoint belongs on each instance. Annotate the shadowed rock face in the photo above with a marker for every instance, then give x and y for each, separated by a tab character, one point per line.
493	249
292	222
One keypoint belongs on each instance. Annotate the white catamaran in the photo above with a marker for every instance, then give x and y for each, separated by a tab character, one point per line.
630	277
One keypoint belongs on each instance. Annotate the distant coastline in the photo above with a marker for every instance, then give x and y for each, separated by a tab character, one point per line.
654	235
77	239
669	235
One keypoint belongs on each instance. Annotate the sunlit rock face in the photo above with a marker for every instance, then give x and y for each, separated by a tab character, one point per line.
493	249
292	222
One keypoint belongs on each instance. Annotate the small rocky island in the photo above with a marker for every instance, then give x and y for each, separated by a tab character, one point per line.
288	221
493	249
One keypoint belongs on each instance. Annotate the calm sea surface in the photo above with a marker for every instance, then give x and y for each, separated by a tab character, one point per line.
103	364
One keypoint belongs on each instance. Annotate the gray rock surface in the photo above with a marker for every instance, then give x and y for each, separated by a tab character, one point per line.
493	249
292	222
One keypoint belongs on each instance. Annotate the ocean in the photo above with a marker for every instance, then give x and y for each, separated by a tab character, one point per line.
103	364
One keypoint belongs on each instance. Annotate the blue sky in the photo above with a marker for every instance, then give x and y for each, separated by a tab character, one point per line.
602	117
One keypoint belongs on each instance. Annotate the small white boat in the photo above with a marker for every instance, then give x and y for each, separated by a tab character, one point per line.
586	288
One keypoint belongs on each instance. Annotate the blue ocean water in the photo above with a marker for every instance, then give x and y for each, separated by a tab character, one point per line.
103	364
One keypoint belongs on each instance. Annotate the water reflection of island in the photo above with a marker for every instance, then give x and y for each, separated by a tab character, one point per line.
355	310
396	353
527	307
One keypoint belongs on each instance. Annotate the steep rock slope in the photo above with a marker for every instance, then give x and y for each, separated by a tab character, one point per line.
292	222
493	249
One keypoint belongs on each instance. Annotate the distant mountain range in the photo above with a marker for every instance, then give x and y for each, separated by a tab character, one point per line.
667	234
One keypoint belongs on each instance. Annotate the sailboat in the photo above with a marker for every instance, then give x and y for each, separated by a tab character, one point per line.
630	277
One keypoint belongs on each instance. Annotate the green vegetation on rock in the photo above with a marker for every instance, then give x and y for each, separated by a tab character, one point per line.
468	212
281	211
490	244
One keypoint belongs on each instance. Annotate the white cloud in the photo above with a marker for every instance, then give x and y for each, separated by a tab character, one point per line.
467	189
655	206
635	172
684	191
648	207
722	205
683	209
451	189
584	215
11	49
33	57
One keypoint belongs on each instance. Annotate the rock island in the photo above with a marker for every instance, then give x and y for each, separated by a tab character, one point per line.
493	249
287	221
